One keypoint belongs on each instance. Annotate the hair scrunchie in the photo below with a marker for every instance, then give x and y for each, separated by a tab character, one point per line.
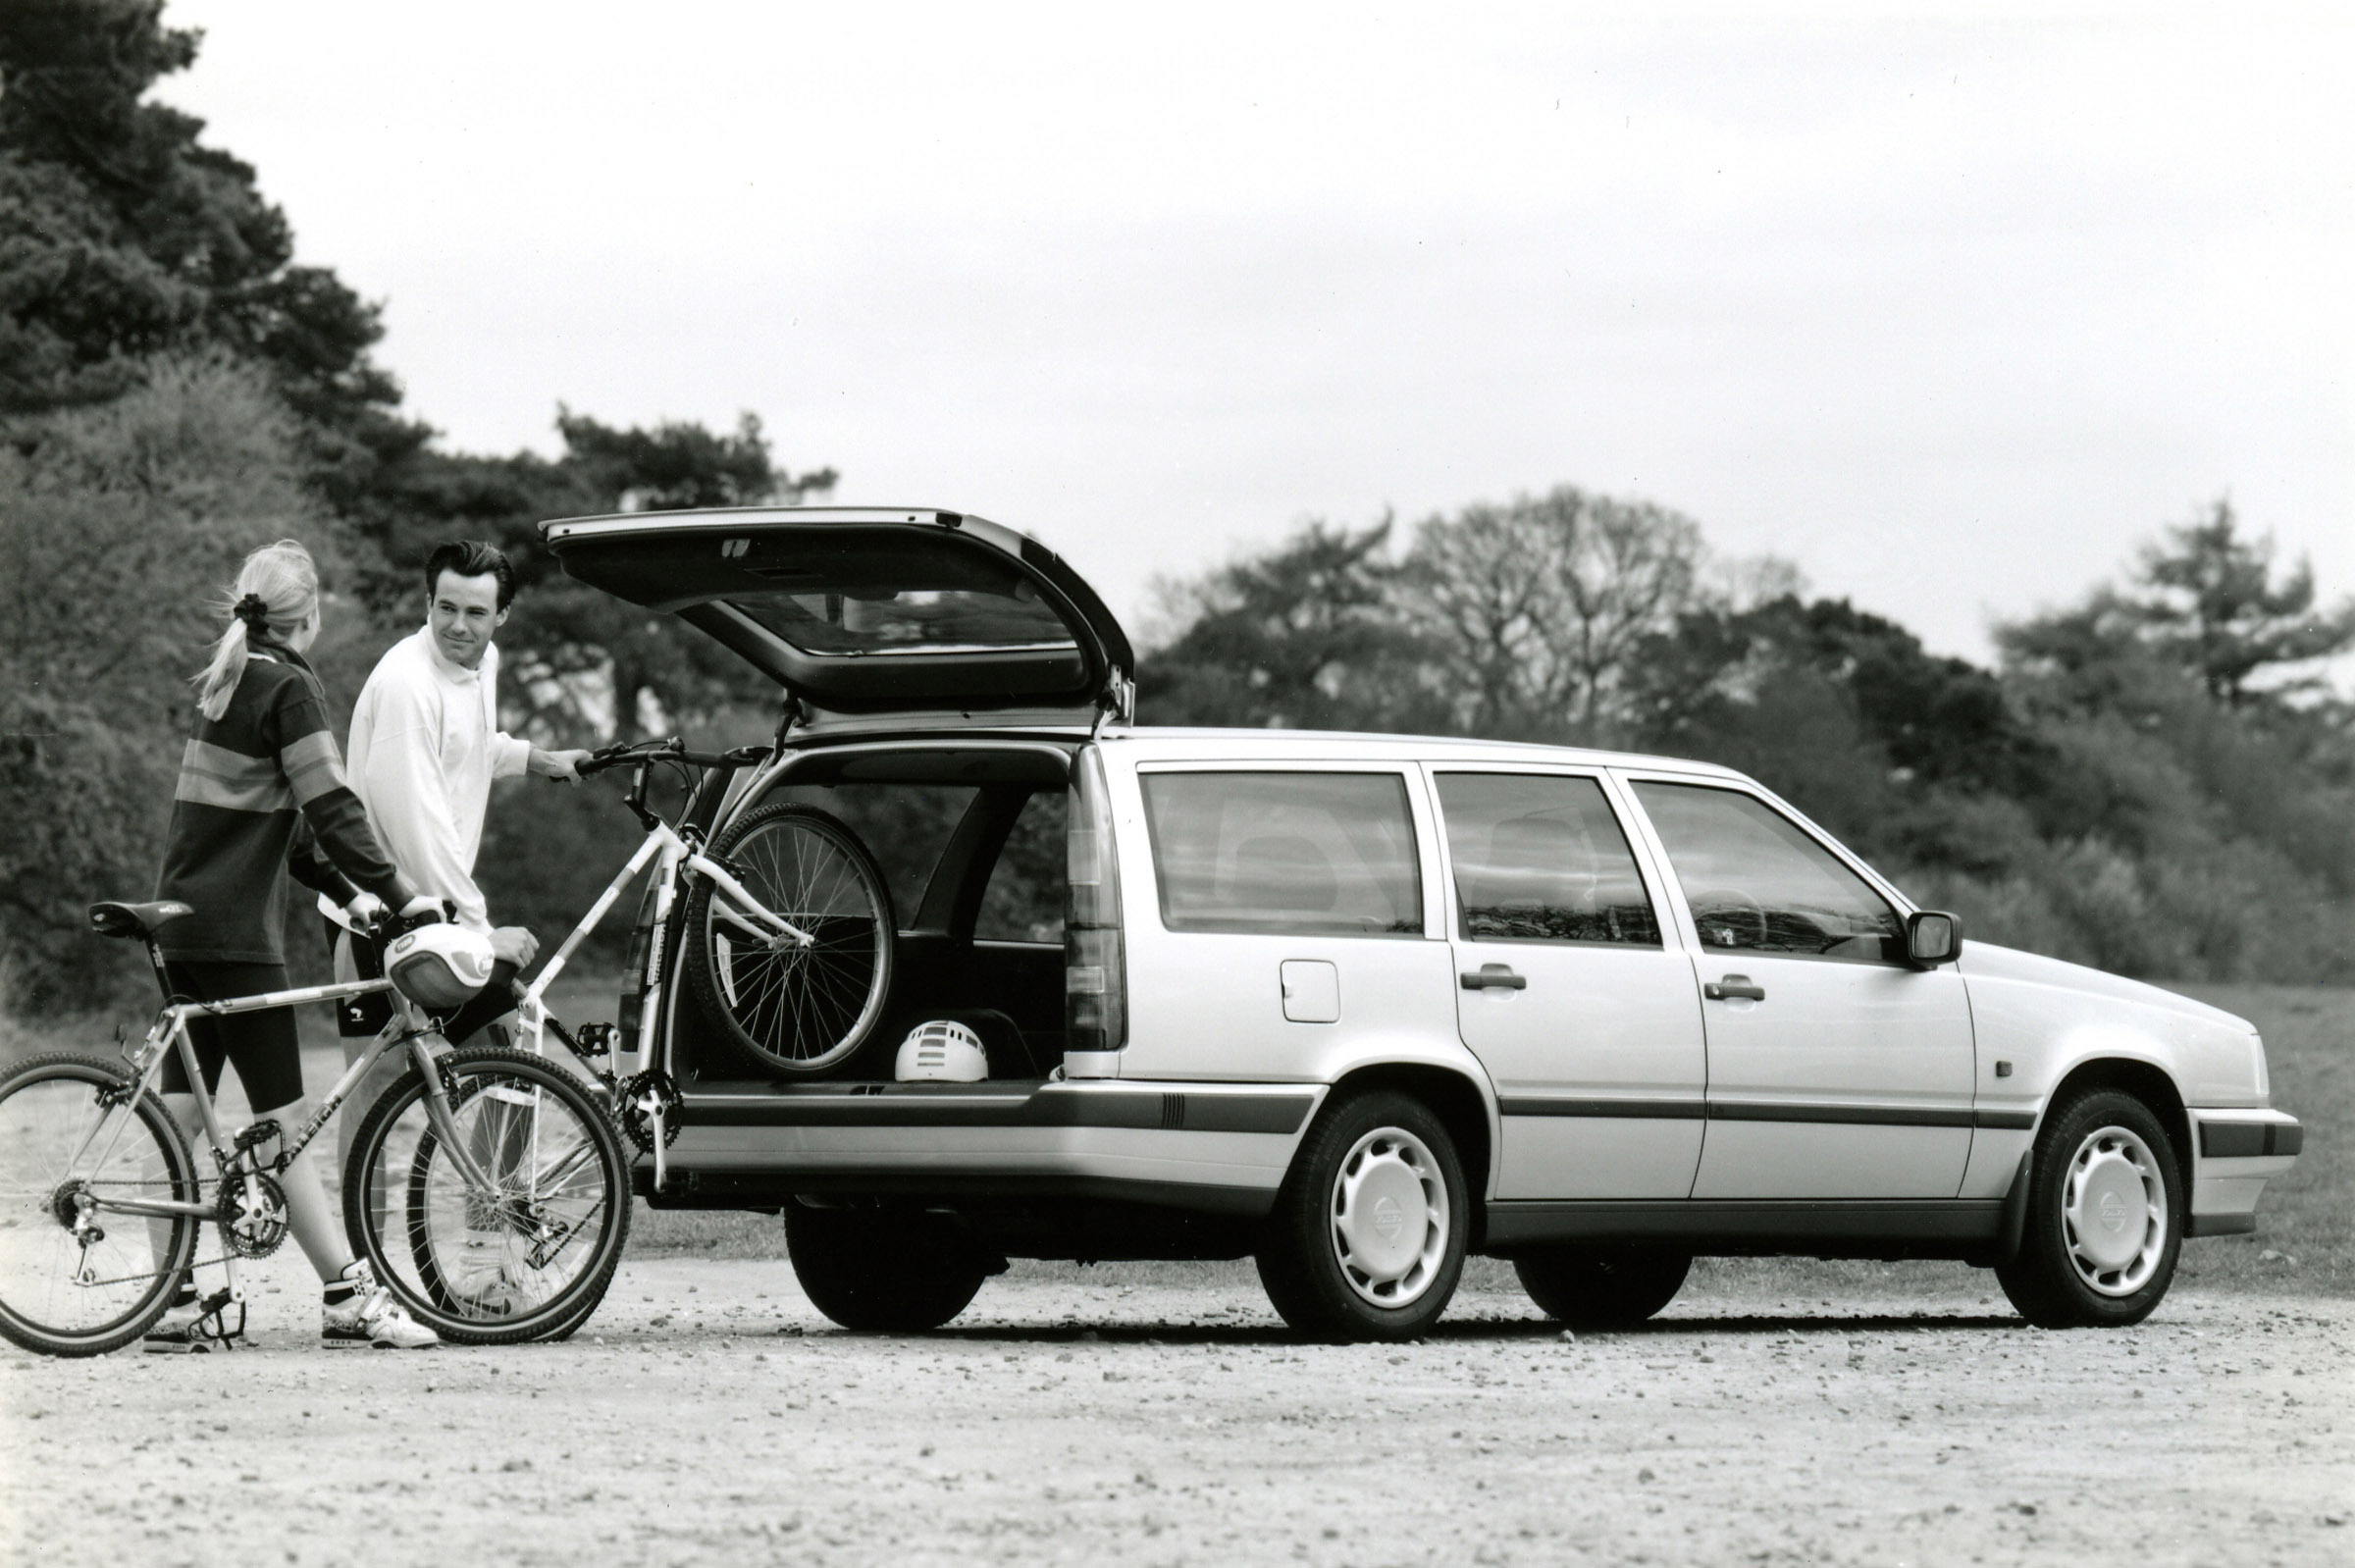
254	613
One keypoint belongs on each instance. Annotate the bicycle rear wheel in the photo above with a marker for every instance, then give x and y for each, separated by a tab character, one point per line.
65	1292
528	1254
794	1008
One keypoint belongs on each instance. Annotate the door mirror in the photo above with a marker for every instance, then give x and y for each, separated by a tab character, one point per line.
1933	938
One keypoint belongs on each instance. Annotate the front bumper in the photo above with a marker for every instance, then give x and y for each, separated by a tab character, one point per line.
2234	1155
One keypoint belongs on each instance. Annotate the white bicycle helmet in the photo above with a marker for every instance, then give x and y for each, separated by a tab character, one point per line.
438	967
944	1051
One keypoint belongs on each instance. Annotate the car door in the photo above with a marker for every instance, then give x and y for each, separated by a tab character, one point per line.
1836	1070
1583	1015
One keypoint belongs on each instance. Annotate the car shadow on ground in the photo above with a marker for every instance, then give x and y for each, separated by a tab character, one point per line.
1475	1332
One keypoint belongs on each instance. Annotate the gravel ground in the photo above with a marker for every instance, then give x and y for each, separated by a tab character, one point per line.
708	1414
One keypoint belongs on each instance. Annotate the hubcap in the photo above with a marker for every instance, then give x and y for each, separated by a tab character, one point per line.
2114	1212
1390	1218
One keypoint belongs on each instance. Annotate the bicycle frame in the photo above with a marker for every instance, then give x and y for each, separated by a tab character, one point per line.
170	1032
670	853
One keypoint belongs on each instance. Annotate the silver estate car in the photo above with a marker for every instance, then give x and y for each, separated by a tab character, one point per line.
1353	1006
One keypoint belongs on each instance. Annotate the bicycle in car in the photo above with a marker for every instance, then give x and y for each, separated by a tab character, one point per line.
102	1200
786	927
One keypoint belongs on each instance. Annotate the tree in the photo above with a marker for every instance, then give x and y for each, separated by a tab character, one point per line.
2208	602
1534	609
122	236
1304	637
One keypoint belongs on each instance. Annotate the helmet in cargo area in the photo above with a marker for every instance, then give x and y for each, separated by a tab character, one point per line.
438	967
942	1050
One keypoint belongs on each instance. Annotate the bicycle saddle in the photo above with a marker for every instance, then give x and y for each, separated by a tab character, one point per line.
135	919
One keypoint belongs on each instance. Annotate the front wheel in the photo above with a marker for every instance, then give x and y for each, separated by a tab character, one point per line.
2105	1219
77	1276
1602	1287
794	1006
524	1252
1367	1238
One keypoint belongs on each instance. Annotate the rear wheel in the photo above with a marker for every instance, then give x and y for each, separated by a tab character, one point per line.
77	1278
793	1007
883	1271
2105	1219
1602	1287
1366	1240
527	1255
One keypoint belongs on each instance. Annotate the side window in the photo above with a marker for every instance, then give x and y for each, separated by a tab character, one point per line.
1541	858
1758	884
1023	902
1324	854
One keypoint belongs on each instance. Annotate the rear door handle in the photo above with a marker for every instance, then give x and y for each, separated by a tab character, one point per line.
1733	987
1491	974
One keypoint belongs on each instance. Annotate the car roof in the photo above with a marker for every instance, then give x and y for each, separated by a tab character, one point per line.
1187	742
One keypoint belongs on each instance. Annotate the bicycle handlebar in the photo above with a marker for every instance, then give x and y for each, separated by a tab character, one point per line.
671	749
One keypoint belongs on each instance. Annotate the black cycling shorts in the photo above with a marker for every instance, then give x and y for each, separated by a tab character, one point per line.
264	1046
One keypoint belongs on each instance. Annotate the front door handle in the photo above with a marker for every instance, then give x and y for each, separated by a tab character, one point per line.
1491	974
1733	987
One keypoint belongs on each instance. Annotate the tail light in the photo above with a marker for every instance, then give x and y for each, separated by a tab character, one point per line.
1095	967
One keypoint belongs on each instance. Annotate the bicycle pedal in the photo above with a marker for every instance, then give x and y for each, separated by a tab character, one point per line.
260	1133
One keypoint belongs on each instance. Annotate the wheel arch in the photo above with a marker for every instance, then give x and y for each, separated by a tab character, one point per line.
2146	1081
1455	1098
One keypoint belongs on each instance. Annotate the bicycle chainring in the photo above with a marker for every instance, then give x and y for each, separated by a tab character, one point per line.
638	1098
251	1214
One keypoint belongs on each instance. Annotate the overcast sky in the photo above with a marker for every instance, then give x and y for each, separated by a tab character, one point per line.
1950	313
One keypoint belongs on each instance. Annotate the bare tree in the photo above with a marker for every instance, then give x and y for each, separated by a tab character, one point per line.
1533	609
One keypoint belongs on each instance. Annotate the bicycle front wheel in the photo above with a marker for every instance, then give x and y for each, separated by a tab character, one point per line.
77	1276
507	1222
796	1007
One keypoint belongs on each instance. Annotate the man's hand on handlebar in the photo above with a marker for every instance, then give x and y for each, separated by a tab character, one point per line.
366	910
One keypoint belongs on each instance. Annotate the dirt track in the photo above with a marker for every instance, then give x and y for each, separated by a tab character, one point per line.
708	1413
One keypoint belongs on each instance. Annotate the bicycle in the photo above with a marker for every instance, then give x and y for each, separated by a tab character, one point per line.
799	986
501	1157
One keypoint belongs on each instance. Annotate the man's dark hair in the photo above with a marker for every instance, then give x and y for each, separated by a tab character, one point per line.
471	557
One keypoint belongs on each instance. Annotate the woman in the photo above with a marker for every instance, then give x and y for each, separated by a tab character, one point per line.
263	764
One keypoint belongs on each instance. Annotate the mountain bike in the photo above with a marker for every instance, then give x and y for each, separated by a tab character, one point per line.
787	927
481	1160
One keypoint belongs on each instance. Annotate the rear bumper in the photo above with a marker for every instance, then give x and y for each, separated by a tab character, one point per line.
2234	1155
1210	1147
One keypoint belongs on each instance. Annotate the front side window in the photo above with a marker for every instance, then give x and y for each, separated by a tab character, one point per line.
1313	854
1541	858
1758	884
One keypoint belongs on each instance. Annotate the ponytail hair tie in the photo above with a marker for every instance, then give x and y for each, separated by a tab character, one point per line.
254	613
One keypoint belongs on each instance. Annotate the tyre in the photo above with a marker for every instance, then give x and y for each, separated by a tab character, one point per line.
58	1296
1367	1238
1602	1287
789	1008
881	1271
2105	1217
527	1256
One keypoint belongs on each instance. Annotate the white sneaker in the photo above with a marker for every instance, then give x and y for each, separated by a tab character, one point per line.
482	1280
370	1317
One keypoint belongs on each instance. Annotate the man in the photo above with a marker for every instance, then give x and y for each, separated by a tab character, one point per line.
425	748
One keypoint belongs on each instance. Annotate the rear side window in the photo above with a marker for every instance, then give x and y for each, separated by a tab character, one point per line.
1323	853
1541	858
1757	883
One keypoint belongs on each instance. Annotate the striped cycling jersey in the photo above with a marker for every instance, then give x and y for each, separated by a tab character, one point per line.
261	791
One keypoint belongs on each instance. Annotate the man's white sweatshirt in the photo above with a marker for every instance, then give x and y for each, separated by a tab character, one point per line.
425	748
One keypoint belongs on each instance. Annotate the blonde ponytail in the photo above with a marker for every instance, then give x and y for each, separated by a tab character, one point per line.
277	590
